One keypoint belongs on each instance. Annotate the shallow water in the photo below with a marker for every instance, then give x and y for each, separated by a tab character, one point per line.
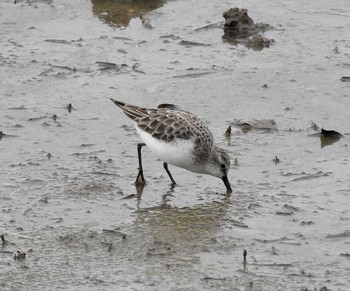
67	176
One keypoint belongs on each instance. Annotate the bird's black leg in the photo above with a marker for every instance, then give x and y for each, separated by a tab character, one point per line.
165	165
140	180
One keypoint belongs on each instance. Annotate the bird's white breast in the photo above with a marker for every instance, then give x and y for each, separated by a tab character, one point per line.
178	152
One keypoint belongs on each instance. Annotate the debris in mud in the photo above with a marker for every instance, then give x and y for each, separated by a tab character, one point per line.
303	223
122	38
343	234
245	255
284	212
193	75
345	79
329	137
37	118
135	68
3	240
111	66
121	69
110	247
170	36
260	125
272	240
276	160
188	43
228	131
85	145
330	133
2	134
61	41
306	176
314	126
20	255
18	108
69	107
210	26
239	28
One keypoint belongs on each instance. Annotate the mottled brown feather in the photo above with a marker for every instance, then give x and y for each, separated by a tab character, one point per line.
168	122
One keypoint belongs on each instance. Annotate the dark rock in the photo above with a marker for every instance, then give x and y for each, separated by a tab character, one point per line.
237	19
240	28
258	42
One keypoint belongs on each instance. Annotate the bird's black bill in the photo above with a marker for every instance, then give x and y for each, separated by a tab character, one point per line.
227	184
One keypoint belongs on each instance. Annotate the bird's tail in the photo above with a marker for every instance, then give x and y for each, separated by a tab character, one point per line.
132	111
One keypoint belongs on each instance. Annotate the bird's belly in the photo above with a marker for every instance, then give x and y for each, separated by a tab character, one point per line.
178	152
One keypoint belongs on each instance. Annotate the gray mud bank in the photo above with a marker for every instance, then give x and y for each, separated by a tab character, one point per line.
71	217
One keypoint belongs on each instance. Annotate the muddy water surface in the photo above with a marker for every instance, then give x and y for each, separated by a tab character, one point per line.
68	155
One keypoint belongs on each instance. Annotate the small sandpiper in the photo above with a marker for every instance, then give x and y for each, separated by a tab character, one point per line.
179	138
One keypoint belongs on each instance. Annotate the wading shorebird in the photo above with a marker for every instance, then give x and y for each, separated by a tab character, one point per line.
179	138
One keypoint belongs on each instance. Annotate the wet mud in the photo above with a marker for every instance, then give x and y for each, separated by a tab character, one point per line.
71	217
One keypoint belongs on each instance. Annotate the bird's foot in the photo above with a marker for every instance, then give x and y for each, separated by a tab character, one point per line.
140	180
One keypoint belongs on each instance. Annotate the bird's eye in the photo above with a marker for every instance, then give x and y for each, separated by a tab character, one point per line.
223	166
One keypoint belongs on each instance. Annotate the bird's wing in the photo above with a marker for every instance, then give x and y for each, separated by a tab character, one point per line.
167	122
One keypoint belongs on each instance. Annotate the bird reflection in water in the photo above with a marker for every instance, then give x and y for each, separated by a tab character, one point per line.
118	13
